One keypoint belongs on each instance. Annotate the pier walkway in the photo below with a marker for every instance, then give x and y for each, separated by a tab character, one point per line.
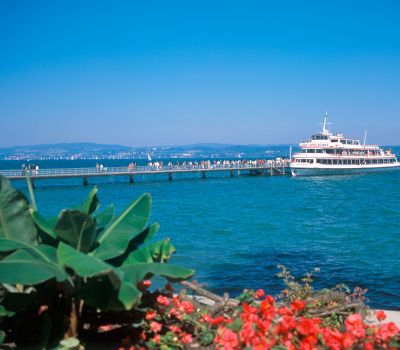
269	167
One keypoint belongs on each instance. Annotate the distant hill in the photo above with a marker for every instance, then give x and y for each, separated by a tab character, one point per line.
85	150
68	147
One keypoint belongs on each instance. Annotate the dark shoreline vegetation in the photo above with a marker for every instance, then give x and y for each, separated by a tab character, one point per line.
83	280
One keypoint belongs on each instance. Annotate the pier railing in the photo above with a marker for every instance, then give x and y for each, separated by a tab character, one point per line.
95	171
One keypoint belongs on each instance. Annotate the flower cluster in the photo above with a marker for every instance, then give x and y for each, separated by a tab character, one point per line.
259	322
267	325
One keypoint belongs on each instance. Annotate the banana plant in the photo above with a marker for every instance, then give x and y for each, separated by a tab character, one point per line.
82	258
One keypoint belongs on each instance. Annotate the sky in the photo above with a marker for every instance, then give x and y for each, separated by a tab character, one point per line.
142	73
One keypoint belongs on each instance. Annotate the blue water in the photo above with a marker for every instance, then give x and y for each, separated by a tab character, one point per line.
235	231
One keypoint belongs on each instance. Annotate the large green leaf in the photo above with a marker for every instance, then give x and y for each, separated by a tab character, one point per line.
91	203
144	236
116	237
29	267
44	228
15	220
160	251
141	271
10	244
129	295
105	217
76	228
84	265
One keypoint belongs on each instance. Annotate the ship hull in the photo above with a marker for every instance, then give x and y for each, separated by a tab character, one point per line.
340	170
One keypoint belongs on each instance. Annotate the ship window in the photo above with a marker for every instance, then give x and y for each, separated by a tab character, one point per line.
334	140
318	150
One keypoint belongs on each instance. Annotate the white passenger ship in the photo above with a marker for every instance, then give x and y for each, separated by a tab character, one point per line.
329	154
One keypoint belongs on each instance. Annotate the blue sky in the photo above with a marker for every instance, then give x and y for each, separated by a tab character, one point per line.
179	72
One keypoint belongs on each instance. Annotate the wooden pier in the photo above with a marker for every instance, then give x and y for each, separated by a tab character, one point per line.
270	168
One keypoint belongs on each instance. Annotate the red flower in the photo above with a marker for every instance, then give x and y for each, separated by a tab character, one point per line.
217	321
226	339
348	340
298	305
247	333
187	307
283	310
249	313
380	315
106	328
354	325
147	283
308	343
308	326
387	331
155	326
150	315
186	338
156	339
143	285
162	300
267	308
175	329
259	293
206	318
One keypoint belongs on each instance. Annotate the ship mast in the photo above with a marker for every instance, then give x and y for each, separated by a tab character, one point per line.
365	137
325	123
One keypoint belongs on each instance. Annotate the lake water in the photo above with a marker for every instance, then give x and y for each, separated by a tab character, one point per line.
235	231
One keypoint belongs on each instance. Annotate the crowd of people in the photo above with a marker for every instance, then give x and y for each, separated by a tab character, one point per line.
30	169
208	165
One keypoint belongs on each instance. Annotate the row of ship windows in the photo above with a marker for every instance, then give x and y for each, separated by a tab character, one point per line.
345	142
347	161
341	152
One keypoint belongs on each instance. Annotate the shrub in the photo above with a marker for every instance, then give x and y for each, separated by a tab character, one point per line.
72	273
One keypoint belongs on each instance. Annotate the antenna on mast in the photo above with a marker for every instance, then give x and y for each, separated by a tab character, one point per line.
365	136
325	123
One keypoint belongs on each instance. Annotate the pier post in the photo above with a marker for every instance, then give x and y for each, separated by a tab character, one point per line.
203	175
262	171
170	176
85	181
238	172
231	173
271	171
131	180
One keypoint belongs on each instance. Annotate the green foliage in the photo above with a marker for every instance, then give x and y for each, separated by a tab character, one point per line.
15	219
81	263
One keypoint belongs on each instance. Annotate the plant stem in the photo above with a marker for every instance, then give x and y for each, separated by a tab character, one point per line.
31	194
